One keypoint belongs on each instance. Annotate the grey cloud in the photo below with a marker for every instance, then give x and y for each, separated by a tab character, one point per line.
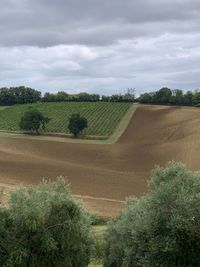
92	22
100	46
145	64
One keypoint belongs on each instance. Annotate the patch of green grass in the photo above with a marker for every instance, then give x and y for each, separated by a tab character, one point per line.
99	245
99	230
95	264
103	118
123	124
3	107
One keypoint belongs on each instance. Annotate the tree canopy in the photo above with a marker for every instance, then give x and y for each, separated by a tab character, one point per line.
77	124
167	96
33	120
160	229
44	226
18	95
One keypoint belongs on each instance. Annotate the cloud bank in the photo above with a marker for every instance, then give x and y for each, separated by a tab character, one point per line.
100	46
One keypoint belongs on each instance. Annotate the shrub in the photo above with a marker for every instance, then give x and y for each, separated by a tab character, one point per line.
44	226
161	229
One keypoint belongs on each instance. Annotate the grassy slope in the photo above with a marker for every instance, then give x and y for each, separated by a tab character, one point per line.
102	117
3	107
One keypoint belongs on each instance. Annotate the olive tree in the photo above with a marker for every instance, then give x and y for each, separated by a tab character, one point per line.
44	226
160	229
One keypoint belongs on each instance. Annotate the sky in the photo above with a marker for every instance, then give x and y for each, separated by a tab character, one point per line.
98	46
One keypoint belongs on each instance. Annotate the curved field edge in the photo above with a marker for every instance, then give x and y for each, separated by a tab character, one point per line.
113	138
123	124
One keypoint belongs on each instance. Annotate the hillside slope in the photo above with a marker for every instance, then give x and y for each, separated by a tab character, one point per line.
104	175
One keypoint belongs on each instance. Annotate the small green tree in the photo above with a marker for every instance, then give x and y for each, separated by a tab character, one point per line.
44	226
77	124
33	120
161	229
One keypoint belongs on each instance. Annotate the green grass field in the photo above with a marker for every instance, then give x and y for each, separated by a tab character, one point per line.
102	117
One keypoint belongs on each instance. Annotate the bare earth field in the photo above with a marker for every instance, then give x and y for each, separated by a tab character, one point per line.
104	175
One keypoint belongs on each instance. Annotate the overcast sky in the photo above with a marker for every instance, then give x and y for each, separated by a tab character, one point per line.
102	46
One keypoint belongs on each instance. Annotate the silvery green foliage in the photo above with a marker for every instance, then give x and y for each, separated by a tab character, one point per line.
161	229
44	226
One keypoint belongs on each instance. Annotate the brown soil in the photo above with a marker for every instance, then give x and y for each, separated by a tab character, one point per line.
104	175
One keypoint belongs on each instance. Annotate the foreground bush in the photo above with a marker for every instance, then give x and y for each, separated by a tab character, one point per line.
44	226
161	229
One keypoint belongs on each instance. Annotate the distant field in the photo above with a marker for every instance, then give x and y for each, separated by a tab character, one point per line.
102	118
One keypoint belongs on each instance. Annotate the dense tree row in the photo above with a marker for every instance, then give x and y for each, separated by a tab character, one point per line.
164	96
85	97
63	96
171	97
25	95
18	95
128	97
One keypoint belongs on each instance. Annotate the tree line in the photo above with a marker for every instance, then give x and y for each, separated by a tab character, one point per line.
167	96
18	95
61	96
24	95
164	96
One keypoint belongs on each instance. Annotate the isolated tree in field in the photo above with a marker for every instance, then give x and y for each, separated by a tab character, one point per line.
161	229
33	120
44	226
77	124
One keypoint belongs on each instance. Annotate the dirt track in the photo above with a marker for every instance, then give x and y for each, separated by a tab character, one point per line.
106	174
